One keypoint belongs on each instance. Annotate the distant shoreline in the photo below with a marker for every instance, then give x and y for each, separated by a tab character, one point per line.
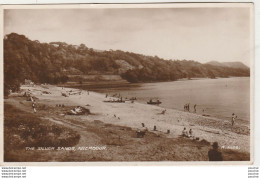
98	85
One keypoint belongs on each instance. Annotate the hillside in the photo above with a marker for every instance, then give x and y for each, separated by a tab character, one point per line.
236	65
54	62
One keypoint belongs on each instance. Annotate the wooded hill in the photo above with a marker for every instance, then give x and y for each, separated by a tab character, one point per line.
53	62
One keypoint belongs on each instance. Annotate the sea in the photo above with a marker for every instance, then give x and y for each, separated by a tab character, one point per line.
213	97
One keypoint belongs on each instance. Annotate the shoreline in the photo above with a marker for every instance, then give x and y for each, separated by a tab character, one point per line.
114	88
134	114
126	83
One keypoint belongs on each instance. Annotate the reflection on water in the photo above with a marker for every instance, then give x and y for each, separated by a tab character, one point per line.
215	97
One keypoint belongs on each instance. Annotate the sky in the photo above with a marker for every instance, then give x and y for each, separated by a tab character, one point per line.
200	34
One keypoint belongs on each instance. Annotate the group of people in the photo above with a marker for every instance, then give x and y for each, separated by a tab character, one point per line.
213	154
187	107
120	98
186	133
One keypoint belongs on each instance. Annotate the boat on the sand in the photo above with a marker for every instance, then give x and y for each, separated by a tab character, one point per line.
154	102
114	101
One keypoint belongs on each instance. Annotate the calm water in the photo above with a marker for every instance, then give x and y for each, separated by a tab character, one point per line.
217	97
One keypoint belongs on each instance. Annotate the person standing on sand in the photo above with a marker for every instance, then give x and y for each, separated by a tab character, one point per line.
233	119
33	106
190	133
195	107
186	107
214	154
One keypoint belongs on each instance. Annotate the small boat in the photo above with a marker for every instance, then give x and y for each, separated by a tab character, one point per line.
154	102
133	98
115	101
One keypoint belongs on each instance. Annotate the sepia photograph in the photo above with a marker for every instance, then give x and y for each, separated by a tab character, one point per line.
163	83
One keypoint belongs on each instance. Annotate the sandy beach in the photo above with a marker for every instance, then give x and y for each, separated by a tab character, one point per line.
131	115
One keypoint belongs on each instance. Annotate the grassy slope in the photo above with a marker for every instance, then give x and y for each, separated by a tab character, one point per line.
22	129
